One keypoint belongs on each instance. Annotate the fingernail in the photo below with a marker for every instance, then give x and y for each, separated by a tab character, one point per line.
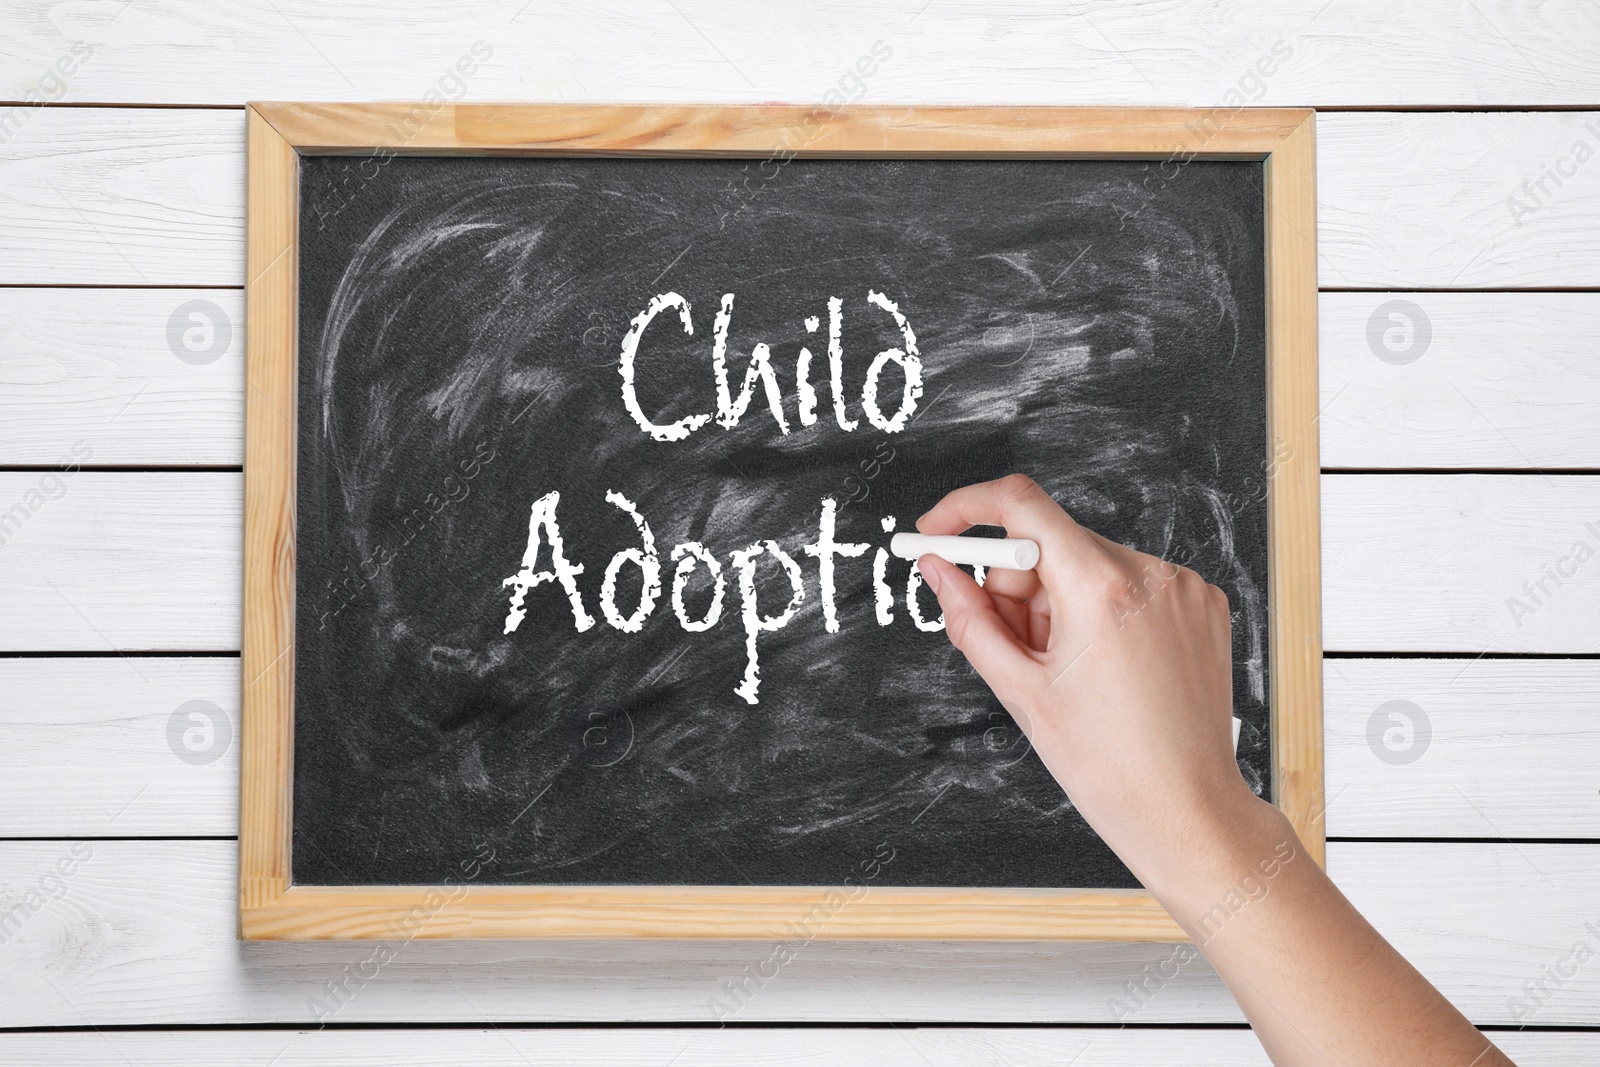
931	576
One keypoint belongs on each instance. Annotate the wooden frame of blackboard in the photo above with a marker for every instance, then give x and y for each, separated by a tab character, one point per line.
270	907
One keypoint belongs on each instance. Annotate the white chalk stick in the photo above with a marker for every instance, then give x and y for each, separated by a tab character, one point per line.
1236	725
1009	554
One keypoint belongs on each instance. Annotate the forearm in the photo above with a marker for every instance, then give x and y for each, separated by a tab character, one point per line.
1119	667
1316	981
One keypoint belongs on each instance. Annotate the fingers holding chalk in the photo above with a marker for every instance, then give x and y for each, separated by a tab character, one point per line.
1018	505
1010	553
982	634
1015	585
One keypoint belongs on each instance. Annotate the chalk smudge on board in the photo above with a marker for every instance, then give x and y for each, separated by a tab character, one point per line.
440	309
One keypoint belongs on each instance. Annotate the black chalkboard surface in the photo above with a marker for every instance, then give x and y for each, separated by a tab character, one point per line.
463	324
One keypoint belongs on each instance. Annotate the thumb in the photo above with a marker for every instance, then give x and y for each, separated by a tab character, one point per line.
975	628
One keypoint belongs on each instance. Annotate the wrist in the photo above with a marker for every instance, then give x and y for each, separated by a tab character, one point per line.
1226	850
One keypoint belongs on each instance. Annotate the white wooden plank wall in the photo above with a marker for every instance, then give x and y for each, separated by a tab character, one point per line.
886	1047
1459	229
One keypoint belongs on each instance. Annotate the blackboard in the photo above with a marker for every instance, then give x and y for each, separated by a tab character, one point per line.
461	323
595	459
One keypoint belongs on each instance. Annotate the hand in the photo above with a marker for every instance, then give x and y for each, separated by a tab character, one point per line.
1117	665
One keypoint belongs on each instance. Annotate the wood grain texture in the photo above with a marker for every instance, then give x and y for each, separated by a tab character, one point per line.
129	197
1484	921
1193	52
270	909
88	747
768	129
1507	380
1405	200
1485	748
101	562
677	912
157	922
84	748
1460	200
508	1047
131	372
266	658
1411	562
1452	563
152	925
1471	380
1295	555
1381	226
919	1047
